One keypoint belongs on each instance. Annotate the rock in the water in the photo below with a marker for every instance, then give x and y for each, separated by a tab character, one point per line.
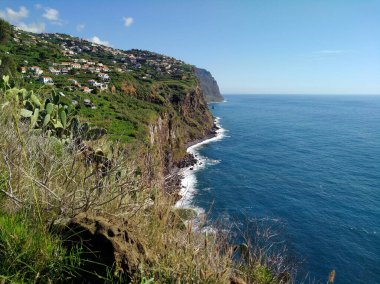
187	161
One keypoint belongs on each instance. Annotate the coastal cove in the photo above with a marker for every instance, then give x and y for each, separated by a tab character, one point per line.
308	164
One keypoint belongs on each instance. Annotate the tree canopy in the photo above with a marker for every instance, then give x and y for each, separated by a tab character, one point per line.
5	31
8	66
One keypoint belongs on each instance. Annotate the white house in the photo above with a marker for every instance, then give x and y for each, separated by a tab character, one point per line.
76	65
87	102
54	71
103	76
45	80
36	70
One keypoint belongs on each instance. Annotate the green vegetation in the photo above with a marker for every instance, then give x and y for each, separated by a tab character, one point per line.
29	253
45	182
142	85
5	31
8	66
76	209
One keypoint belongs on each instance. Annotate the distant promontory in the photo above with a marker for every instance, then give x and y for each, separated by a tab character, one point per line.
209	86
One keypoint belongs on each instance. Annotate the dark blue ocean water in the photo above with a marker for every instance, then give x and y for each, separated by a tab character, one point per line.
309	162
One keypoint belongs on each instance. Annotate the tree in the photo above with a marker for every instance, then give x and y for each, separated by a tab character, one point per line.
8	66
5	31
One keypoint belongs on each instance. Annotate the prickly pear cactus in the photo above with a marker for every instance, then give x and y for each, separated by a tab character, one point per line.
51	117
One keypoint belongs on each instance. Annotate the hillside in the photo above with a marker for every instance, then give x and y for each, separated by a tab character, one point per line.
118	89
92	142
140	97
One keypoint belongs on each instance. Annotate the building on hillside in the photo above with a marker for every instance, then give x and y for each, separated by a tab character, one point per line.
104	76
76	65
46	80
72	81
92	82
86	90
65	64
87	102
54	71
36	70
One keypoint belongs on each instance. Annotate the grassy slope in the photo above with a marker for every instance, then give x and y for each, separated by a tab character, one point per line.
133	103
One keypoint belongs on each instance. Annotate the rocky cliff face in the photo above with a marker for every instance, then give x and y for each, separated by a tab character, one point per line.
209	86
186	119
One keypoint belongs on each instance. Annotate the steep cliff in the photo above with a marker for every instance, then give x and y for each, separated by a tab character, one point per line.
186	118
209	86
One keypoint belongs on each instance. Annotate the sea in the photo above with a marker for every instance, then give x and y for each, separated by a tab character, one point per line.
306	167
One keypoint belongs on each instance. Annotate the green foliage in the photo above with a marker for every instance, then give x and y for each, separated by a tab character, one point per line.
263	275
52	116
5	31
28	253
8	66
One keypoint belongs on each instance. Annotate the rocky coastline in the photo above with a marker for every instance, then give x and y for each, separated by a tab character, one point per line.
173	180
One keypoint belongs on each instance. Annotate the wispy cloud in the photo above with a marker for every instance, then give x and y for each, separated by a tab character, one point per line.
14	16
80	27
33	27
53	16
97	40
128	21
17	17
332	51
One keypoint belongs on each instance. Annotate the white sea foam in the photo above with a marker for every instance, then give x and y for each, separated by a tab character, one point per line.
189	180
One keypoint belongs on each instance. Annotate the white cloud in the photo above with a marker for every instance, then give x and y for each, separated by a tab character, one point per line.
51	14
128	21
97	40
33	27
80	27
14	16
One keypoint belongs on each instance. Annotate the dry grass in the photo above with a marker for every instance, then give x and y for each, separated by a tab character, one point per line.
55	181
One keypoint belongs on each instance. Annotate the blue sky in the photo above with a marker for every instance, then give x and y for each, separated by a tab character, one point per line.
267	46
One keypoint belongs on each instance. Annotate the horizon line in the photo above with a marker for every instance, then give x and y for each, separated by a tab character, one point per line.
301	94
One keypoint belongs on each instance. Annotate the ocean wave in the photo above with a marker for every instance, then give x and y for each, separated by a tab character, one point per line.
189	180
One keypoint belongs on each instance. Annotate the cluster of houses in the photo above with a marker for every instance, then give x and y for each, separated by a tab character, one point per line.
120	61
36	72
78	64
64	68
123	61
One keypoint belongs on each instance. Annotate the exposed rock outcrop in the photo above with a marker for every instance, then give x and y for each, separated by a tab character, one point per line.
106	242
209	86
